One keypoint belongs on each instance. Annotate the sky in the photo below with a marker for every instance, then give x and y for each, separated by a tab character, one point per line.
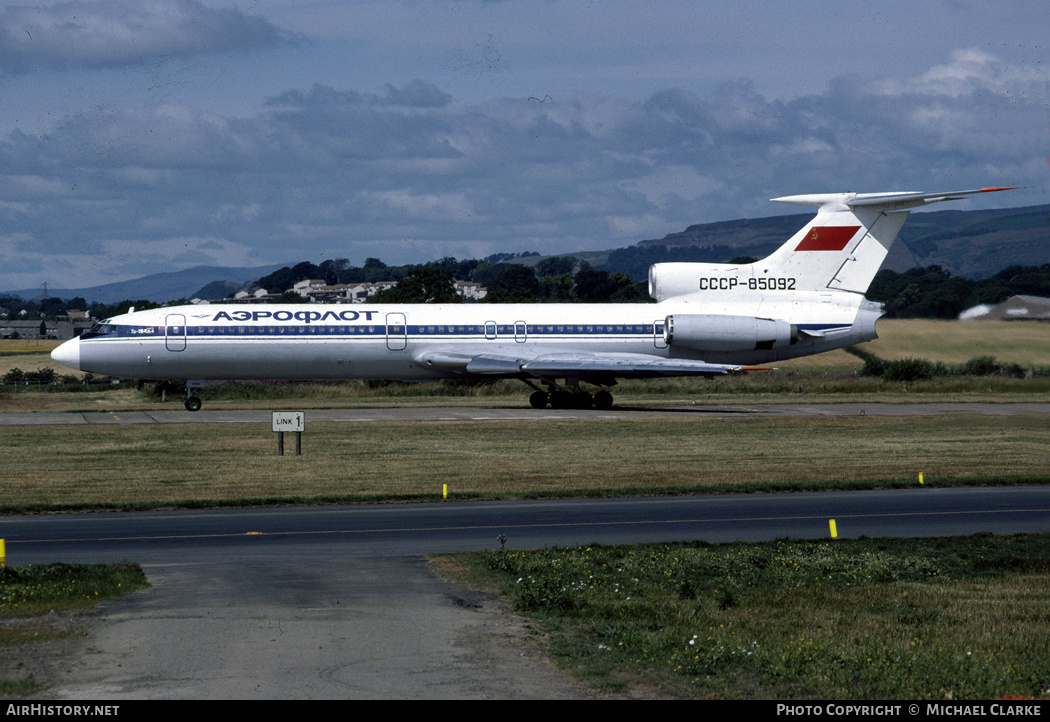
145	136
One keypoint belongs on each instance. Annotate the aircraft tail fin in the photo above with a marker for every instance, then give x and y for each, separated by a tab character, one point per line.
844	245
841	248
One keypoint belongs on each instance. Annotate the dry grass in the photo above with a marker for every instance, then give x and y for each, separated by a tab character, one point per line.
955	342
174	463
30	355
26	345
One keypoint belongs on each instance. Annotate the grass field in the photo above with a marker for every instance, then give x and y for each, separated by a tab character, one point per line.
64	466
10	346
1024	343
952	619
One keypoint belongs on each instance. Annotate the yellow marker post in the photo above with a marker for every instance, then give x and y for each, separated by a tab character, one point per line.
834	529
444	491
3	555
920	477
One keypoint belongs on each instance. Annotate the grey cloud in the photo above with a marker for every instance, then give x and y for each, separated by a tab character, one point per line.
416	94
348	174
318	95
121	32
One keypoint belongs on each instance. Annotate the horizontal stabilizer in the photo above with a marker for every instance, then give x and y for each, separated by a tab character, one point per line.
884	201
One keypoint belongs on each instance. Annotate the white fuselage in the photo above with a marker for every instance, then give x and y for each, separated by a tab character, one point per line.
406	342
805	298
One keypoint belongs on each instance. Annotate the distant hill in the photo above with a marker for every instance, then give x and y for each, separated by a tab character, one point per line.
979	244
218	290
158	287
975	244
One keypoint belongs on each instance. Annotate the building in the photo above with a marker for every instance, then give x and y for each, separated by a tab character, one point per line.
470	291
55	330
1015	308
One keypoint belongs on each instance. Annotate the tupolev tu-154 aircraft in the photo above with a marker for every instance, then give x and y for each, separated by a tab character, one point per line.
710	318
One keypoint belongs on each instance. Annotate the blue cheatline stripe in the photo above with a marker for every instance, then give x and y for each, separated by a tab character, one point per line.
428	331
425	331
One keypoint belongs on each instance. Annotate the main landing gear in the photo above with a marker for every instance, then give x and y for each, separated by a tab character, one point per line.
570	396
193	402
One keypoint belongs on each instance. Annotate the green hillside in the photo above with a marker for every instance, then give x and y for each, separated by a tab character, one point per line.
975	244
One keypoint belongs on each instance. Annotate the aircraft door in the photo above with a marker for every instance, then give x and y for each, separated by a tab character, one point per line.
396	331
175	332
490	330
521	331
658	333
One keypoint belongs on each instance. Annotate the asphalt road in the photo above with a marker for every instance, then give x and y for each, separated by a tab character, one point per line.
338	601
414	530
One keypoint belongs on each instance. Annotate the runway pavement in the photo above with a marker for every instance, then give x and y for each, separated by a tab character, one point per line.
480	413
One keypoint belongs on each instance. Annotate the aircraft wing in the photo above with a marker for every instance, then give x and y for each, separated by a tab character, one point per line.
556	365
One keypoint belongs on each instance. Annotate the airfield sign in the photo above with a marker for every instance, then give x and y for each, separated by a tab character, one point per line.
289	421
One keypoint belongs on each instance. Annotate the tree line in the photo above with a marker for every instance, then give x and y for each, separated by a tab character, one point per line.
555	279
930	292
52	308
933	292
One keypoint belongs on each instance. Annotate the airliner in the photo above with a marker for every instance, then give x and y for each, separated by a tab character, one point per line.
709	319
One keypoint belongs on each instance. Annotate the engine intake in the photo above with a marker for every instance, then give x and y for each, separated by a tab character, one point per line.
668	280
707	332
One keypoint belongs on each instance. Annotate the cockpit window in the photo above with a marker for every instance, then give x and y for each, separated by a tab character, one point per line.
101	328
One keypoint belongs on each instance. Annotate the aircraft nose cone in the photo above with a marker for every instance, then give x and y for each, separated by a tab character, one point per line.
68	354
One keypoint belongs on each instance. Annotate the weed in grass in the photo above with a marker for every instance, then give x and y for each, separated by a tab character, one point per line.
942	618
35	589
19	689
29	598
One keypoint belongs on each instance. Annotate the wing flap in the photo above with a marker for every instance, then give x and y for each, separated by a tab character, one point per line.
471	363
494	365
444	360
619	365
624	365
